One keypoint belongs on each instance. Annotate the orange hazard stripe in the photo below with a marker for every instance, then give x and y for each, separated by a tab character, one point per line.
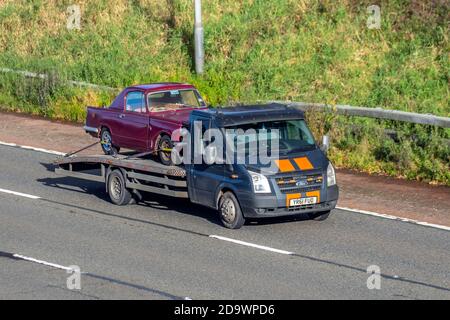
304	163
285	165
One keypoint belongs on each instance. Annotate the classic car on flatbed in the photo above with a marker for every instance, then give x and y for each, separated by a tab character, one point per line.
143	118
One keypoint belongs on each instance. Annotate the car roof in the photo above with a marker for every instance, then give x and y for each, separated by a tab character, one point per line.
161	86
230	116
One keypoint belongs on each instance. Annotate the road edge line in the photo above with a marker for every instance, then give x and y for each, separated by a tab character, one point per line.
396	218
14	145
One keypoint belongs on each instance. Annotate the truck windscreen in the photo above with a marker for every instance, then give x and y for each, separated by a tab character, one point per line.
292	136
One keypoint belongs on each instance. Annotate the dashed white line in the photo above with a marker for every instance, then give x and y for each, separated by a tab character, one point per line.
249	244
391	217
29	196
45	263
32	148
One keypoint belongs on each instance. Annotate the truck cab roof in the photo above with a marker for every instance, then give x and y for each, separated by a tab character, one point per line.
232	116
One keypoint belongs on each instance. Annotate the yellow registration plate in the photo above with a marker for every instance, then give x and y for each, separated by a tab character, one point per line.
303	201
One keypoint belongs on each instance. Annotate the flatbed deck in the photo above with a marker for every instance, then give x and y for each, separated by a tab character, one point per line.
140	173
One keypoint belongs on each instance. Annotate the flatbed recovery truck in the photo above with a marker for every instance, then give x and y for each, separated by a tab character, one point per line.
304	180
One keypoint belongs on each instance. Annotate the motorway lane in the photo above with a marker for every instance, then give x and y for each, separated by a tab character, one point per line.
161	249
21	280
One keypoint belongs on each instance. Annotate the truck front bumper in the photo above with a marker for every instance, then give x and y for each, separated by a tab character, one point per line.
266	206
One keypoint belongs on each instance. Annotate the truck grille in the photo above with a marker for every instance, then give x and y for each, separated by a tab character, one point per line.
300	183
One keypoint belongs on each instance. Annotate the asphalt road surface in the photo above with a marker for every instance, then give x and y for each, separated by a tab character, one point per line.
164	249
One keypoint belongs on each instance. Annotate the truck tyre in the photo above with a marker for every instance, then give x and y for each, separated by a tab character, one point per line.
164	156
106	143
230	211
117	191
319	216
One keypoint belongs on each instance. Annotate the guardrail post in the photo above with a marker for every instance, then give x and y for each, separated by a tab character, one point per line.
199	38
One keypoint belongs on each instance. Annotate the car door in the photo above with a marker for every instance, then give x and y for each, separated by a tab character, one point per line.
134	121
204	178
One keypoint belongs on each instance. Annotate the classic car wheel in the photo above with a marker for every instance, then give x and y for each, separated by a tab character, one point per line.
106	142
165	144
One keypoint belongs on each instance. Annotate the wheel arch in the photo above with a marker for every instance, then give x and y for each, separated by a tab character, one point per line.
160	134
221	190
239	218
105	126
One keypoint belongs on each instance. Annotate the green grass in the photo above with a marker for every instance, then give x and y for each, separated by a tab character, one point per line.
256	50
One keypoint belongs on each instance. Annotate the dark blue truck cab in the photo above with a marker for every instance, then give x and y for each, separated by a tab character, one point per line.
299	179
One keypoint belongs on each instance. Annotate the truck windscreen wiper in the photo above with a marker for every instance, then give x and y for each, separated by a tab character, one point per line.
306	148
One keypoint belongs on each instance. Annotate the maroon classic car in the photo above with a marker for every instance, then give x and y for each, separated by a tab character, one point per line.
143	117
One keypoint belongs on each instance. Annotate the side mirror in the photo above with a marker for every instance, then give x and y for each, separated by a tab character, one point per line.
325	144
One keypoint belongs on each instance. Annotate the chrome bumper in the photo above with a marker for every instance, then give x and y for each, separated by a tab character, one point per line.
90	129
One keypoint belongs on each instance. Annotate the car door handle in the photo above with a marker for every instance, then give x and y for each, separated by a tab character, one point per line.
121	116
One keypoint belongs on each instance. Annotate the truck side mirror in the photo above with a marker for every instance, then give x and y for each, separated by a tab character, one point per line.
325	144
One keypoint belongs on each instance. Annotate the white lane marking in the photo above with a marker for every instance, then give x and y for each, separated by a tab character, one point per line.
248	244
29	196
45	263
32	148
390	217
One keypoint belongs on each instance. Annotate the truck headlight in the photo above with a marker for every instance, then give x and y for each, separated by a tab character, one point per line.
331	175
260	183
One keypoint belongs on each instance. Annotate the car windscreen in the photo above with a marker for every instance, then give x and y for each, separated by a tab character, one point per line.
291	136
174	99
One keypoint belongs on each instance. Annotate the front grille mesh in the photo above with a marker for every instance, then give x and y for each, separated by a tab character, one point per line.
300	183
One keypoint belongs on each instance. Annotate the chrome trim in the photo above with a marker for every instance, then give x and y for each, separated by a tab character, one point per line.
90	129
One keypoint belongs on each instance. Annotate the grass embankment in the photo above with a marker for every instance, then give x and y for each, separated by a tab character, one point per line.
315	51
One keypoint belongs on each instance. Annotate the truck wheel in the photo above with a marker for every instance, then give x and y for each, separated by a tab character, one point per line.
106	142
164	144
230	211
118	193
319	216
